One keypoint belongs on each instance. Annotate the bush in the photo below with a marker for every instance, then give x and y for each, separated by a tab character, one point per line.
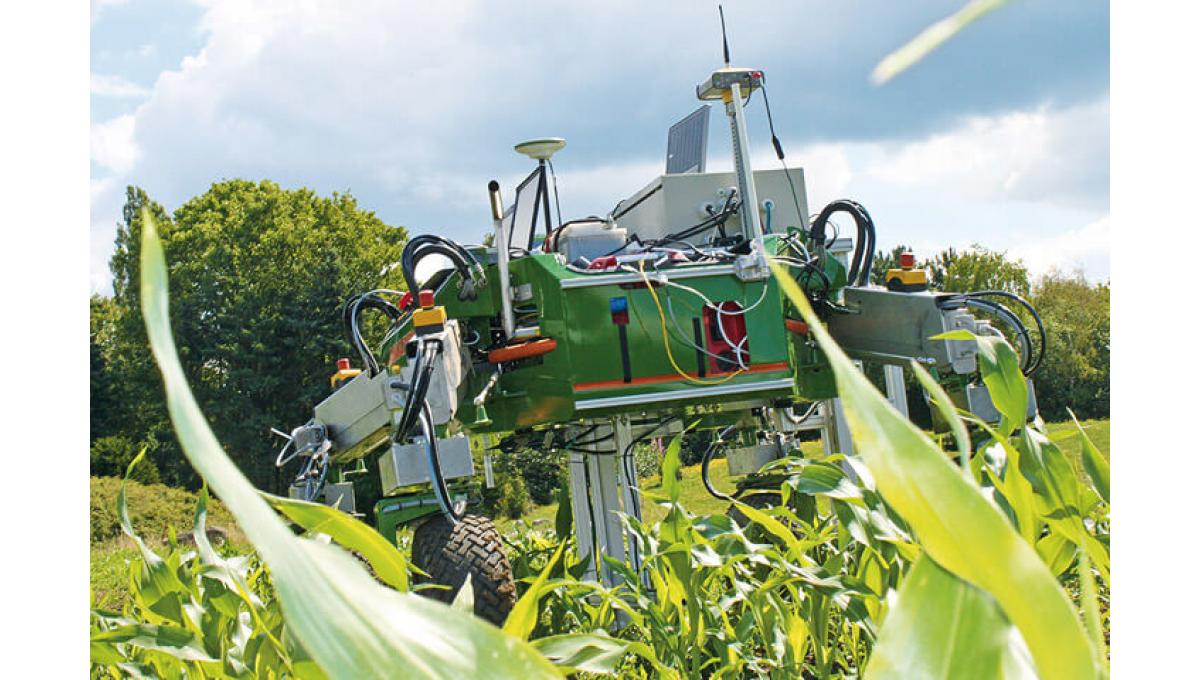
509	498
648	458
540	470
110	456
1075	372
152	509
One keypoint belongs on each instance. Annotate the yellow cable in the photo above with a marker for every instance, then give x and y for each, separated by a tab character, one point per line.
662	317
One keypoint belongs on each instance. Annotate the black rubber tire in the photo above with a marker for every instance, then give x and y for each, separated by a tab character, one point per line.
448	552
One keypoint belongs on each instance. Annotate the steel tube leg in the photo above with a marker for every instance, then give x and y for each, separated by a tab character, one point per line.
893	379
606	500
581	510
628	477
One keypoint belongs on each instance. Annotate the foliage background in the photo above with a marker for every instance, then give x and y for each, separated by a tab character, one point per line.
258	274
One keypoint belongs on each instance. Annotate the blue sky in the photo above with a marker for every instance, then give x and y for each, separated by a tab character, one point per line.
1000	137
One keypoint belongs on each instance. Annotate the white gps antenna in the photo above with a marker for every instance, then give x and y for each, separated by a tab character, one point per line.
541	149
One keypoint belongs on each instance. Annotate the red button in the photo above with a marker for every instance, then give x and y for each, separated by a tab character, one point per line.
907	260
425	298
343	364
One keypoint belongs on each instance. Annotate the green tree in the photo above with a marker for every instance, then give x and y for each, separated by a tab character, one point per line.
938	265
981	269
102	404
1075	372
884	261
258	276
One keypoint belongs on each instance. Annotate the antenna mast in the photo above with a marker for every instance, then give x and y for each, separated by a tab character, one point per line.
728	84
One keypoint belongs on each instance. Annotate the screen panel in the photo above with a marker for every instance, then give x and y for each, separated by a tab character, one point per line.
687	143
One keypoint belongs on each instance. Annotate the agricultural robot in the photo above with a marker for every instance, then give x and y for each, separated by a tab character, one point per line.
589	336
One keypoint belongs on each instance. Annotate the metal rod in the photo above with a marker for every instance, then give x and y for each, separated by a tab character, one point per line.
751	223
506	315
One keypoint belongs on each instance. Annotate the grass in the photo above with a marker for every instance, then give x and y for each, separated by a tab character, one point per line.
696	499
154	510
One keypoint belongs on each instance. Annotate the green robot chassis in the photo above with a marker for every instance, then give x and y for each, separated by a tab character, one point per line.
596	334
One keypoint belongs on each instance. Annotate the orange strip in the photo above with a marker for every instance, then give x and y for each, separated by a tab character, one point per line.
670	377
398	348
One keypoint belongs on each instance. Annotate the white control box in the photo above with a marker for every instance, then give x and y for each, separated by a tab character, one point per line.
672	203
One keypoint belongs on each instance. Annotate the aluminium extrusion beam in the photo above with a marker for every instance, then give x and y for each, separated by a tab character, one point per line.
893	379
599	491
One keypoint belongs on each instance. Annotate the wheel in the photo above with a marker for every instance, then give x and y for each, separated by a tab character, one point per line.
448	552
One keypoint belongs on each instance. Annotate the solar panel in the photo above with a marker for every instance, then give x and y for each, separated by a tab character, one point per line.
687	143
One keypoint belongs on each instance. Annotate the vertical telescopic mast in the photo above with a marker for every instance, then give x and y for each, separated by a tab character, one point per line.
506	316
728	84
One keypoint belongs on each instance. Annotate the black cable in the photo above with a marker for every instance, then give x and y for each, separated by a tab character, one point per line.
1013	321
421	374
779	149
350	313
1036	363
630	479
463	260
717	219
440	490
707	459
864	246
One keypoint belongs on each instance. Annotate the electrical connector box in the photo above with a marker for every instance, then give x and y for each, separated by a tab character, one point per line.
356	416
408	464
716	85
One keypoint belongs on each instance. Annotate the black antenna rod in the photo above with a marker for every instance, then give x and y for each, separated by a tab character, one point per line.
724	40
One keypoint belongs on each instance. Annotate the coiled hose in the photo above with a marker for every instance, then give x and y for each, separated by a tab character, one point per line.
864	245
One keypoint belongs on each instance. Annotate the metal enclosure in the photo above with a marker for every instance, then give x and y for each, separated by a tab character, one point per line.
672	202
408	464
357	415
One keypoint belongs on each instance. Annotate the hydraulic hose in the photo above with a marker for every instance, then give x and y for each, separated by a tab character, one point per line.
422	372
707	460
454	512
350	314
428	244
864	245
1014	322
1032	312
417	412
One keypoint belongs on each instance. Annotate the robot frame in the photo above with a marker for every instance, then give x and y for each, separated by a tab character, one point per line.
600	333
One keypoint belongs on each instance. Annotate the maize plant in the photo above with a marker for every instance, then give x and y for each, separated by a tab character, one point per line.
990	561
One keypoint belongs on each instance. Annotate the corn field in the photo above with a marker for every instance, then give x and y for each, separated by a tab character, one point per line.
989	561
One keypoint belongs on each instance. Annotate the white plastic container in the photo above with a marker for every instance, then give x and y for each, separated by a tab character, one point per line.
589	240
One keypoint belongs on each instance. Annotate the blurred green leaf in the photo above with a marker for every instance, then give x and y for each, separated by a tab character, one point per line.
388	563
954	522
930	39
1094	462
350	625
943	627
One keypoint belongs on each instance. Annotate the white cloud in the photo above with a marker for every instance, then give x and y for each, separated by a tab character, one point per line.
113	143
1084	249
116	86
413	109
1057	156
98	7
